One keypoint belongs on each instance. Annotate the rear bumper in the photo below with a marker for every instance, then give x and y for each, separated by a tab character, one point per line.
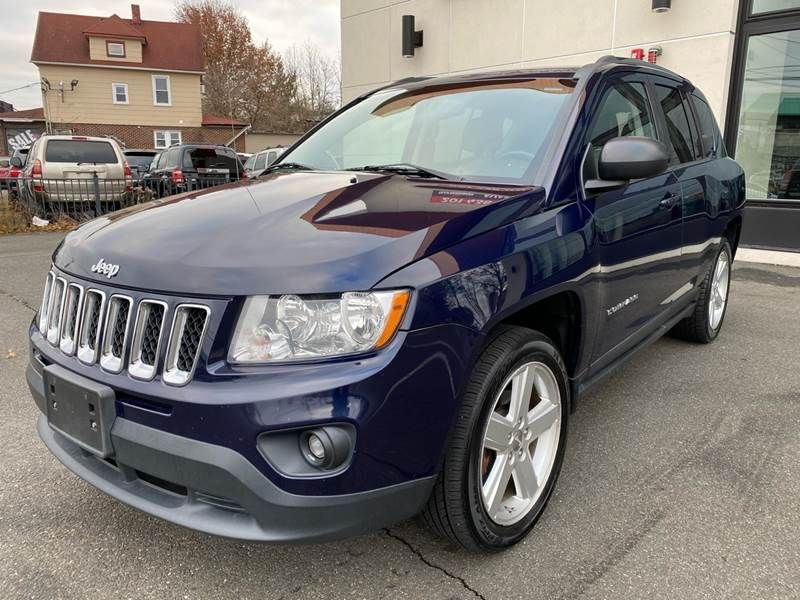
216	490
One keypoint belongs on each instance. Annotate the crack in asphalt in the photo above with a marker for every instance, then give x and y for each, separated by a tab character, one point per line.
428	563
18	299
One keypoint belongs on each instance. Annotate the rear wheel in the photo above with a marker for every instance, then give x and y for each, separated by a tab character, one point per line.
705	323
507	447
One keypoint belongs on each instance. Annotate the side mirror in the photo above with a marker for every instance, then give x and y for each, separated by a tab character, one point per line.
16	161
626	158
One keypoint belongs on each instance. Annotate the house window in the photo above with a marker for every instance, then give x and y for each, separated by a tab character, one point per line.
115	49
165	139
161	91
119	93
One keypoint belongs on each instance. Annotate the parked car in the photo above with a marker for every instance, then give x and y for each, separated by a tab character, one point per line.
15	169
188	167
139	161
401	316
71	173
5	171
258	162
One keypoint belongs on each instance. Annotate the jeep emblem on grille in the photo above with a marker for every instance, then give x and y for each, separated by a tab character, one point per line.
104	268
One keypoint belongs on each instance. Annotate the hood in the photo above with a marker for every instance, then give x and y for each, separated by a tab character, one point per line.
290	232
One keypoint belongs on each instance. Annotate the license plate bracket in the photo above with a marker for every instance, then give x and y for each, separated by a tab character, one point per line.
80	409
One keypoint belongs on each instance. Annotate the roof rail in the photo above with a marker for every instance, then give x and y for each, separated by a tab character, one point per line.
611	60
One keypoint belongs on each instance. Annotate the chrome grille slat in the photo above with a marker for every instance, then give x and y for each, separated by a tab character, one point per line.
146	341
44	310
55	308
70	320
188	327
91	326
118	318
114	331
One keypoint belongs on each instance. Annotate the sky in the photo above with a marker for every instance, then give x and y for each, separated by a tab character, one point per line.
282	22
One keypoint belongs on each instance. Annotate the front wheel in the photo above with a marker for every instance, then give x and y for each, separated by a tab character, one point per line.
705	323
506	450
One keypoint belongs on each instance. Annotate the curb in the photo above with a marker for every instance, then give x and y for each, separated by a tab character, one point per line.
769	257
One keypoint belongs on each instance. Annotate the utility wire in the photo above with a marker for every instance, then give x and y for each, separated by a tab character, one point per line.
20	88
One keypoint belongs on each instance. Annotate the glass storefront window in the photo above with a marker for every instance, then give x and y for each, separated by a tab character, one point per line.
768	138
766	6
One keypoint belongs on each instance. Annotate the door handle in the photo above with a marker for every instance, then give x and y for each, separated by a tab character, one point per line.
669	202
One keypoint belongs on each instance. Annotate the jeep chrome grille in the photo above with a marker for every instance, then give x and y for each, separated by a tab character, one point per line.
118	317
99	328
188	327
147	339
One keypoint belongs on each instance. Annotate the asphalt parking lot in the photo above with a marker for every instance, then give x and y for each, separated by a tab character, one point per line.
681	480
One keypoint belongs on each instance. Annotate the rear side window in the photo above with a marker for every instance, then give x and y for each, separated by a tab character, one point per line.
172	157
710	135
261	161
624	111
80	151
139	160
211	158
678	129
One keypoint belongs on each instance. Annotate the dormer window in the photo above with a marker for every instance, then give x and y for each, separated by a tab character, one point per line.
115	49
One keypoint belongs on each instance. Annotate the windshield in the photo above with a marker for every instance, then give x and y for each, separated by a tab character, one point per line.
486	131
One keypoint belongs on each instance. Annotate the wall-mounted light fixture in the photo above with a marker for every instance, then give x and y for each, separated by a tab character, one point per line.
412	39
662	6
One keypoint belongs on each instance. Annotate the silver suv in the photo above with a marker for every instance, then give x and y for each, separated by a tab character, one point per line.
79	170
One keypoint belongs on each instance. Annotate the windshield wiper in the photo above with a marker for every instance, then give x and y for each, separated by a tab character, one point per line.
405	169
288	165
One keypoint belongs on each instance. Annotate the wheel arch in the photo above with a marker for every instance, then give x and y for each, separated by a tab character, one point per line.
733	232
559	316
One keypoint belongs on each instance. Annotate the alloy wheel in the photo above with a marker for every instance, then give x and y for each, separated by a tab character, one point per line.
720	281
520	443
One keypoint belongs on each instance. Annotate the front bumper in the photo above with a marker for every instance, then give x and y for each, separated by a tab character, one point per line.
216	490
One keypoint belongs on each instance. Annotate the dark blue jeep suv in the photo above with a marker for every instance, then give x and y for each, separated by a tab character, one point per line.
399	316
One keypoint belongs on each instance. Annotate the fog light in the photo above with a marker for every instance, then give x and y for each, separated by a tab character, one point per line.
316	448
326	447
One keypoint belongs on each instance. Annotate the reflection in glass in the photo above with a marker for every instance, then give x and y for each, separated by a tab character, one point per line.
768	142
488	131
765	6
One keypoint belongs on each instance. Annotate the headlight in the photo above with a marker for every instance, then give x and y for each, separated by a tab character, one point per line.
288	328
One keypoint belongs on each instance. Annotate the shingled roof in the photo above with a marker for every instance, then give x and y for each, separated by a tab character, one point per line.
114	27
33	114
62	38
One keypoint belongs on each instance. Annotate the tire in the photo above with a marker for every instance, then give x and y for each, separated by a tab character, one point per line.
701	327
459	509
